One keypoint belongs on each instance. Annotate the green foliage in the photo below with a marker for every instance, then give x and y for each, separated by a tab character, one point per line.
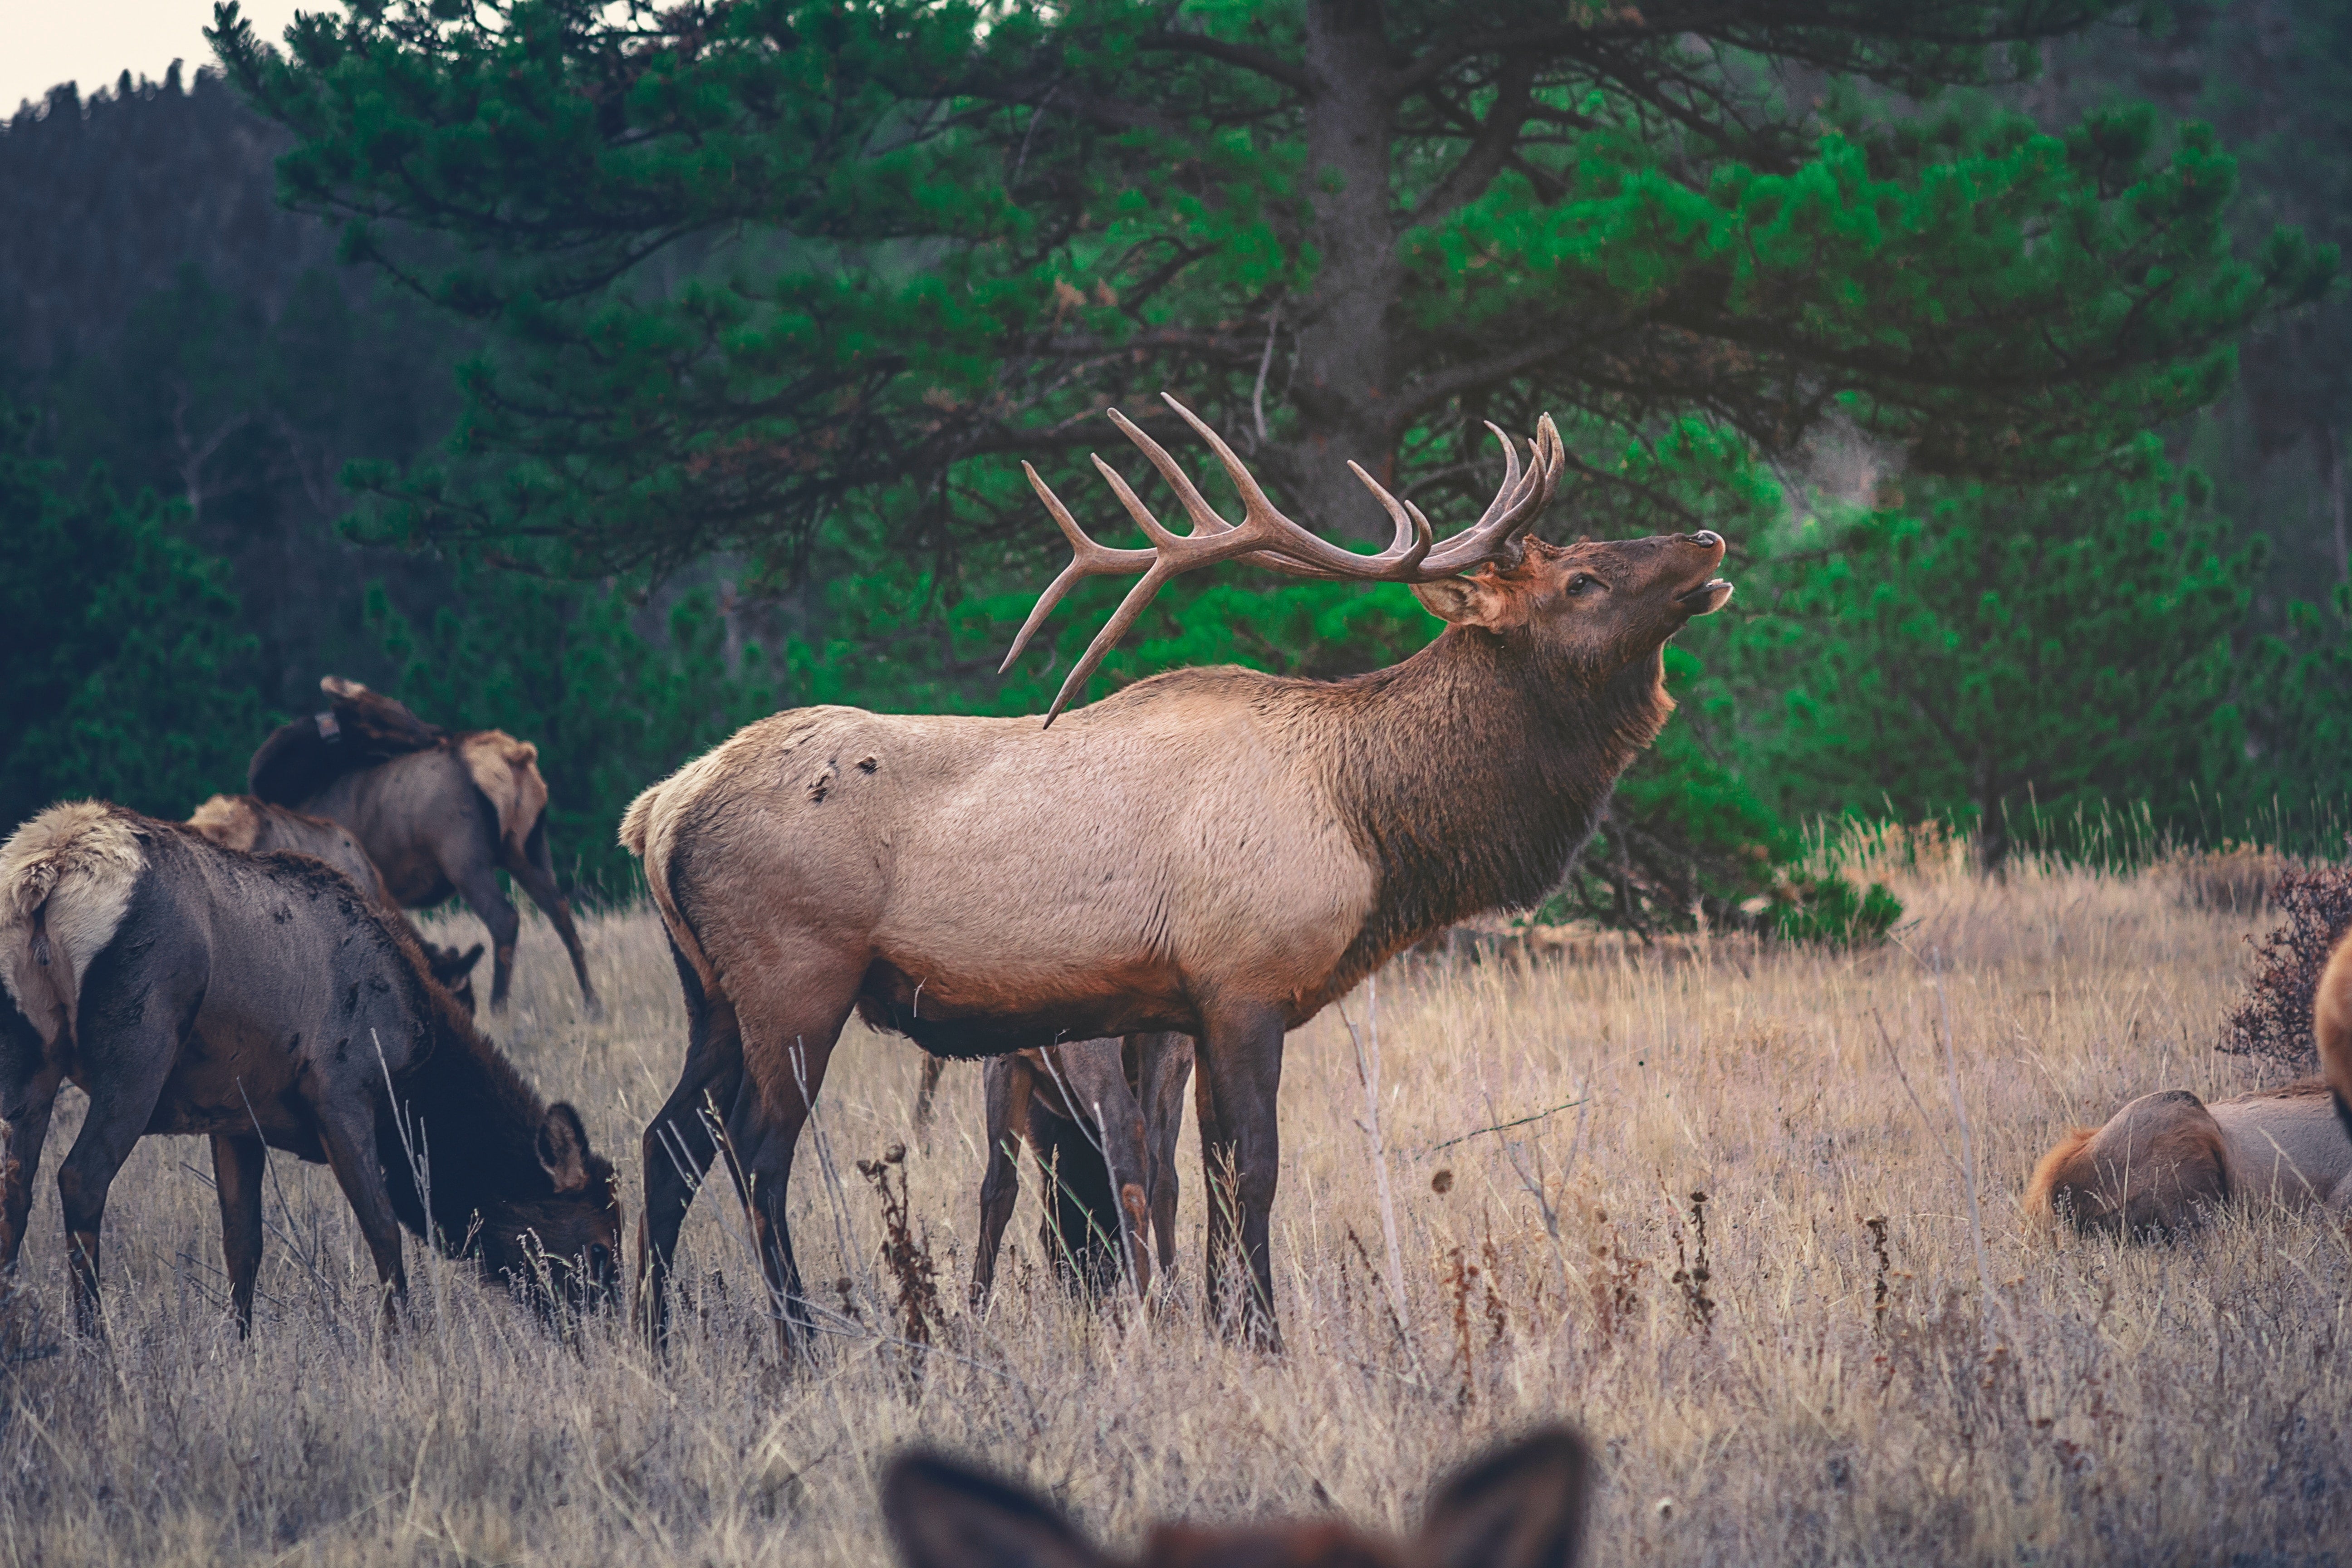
2000	652
124	673
1828	909
568	668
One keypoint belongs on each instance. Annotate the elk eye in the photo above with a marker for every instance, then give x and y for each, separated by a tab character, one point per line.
1582	582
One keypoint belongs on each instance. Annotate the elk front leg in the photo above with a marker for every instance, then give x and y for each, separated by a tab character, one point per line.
478	884
1165	1063
239	1165
1006	1089
1240	1064
349	1134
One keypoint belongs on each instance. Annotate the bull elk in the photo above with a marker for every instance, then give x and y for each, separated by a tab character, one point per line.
1216	852
259	1000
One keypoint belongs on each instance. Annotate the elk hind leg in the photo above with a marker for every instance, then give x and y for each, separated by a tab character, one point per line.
790	1016
25	1105
683	1139
239	1165
533	869
1163	1063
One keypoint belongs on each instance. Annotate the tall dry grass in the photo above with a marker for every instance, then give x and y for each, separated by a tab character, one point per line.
1980	1397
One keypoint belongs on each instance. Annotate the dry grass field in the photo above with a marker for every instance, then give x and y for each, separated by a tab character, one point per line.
2001	1402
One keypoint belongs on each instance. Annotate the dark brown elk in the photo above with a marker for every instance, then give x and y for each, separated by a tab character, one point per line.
2163	1162
1520	1505
438	812
1218	852
259	1000
1101	1117
251	825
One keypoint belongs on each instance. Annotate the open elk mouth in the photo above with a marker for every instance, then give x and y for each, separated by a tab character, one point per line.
1706	598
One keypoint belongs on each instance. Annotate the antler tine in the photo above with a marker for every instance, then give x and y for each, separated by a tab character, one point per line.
1277	533
1520	499
1205	521
1087	559
1414	534
1113	629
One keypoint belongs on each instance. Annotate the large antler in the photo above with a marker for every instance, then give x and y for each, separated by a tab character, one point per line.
1265	538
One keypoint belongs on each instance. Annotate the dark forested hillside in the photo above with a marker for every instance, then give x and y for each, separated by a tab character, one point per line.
177	326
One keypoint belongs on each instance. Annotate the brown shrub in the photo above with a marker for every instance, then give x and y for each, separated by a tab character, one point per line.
2274	1019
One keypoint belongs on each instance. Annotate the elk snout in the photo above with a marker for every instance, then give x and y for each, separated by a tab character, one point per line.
1705	539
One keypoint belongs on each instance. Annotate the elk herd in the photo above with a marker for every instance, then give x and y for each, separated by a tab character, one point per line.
1151	889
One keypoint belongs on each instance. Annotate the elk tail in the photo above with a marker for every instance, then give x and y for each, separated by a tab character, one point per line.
507	773
649	832
2331	1028
66	879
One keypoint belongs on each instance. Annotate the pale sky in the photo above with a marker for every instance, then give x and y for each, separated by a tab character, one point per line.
91	41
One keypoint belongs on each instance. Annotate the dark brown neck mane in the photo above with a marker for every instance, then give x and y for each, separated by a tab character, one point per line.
1472	773
472	1125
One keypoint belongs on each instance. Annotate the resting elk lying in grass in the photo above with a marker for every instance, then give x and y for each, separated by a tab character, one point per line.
252	825
2165	1160
1521	1506
1218	852
258	1000
437	813
1101	1117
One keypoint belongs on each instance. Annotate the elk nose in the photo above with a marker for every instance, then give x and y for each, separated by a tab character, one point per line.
1707	538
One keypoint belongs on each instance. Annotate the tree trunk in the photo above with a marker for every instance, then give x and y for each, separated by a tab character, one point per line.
1345	362
2329	442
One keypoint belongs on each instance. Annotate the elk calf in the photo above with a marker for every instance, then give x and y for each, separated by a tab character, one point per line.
2165	1159
1101	1117
1521	1506
259	1000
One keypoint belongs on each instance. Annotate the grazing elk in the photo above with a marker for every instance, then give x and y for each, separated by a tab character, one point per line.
2331	1028
437	812
2164	1160
1101	1117
251	825
1217	851
1520	1505
260	1000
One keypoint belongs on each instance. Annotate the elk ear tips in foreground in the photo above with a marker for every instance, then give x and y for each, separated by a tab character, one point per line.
1521	1506
1219	853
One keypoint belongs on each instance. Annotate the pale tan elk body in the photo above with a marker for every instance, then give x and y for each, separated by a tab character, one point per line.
251	825
2165	1159
1102	1118
2331	1028
1214	852
1522	1505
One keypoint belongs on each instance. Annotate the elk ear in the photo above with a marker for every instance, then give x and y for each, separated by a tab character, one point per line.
1522	1506
944	1515
450	966
563	1148
1484	602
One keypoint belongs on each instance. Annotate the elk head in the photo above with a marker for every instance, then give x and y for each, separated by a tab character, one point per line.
566	1241
1522	1506
1597	603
